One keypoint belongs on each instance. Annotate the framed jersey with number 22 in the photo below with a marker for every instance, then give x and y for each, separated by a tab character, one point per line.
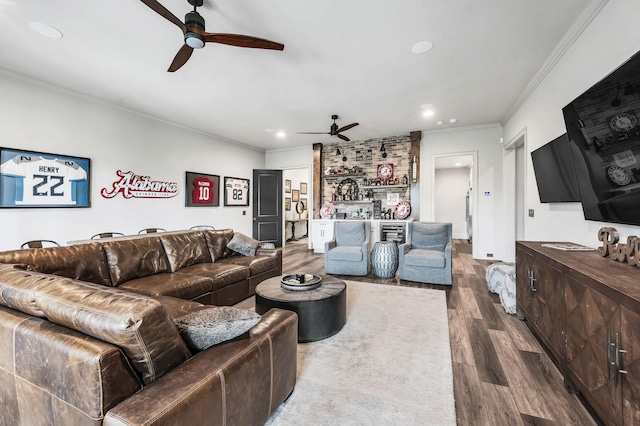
236	191
36	179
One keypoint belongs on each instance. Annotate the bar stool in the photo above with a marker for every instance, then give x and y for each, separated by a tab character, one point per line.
202	228
39	244
107	235
151	230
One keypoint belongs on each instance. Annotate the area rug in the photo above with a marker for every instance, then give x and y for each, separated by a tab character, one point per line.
389	365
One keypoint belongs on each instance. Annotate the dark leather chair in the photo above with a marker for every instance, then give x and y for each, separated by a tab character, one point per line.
107	235
39	244
151	230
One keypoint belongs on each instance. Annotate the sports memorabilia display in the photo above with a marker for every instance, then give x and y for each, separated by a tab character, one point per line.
236	191
202	190
33	179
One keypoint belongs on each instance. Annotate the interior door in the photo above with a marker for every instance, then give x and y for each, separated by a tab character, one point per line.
267	206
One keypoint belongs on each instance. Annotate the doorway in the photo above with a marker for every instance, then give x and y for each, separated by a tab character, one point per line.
453	192
298	202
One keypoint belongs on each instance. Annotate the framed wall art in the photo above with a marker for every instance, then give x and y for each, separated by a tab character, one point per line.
202	190
287	203
295	195
287	186
303	188
37	179
236	191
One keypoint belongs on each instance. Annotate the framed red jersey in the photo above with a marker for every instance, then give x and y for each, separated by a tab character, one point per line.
202	190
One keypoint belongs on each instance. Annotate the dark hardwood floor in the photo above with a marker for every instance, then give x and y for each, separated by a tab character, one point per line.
501	374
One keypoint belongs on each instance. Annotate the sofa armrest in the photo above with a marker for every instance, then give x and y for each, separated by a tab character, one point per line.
242	381
328	245
277	253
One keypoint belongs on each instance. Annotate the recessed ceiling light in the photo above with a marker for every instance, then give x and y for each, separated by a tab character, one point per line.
440	123
45	30
458	164
453	120
281	134
422	47
427	113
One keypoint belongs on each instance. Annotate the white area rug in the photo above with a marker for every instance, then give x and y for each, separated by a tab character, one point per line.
389	365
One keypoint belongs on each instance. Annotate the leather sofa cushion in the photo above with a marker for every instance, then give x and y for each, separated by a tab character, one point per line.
138	324
256	264
18	289
184	250
221	274
183	286
430	236
85	262
346	254
54	375
177	307
135	258
217	242
425	258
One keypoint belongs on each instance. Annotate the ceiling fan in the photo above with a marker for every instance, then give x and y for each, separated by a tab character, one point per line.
335	131
195	36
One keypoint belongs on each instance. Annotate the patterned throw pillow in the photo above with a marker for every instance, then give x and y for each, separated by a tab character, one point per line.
212	325
244	245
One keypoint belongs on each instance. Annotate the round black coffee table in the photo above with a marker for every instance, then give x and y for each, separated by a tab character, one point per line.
322	312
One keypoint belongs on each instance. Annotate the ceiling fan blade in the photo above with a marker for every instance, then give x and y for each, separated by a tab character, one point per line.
314	133
181	58
162	11
343	137
347	127
242	41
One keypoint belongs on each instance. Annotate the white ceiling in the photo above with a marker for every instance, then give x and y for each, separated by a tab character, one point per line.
350	58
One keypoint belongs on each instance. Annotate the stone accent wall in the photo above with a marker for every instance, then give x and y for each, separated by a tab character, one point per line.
398	150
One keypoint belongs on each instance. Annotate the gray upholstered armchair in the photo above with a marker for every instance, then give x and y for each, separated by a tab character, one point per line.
348	252
426	256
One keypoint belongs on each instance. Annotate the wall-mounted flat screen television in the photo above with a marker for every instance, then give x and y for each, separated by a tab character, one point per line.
604	133
555	175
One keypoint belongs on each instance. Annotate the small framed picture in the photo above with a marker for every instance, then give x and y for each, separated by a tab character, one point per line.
295	195
236	191
287	203
202	190
303	188
303	203
287	186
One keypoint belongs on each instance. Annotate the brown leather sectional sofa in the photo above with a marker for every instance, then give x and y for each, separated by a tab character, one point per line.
88	338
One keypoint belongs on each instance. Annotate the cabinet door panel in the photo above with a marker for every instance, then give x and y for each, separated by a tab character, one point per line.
630	361
523	294
550	306
589	315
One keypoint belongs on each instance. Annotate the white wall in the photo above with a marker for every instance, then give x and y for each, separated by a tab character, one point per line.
450	194
609	40
46	120
487	209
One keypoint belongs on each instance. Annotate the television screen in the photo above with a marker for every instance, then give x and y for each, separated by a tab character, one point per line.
555	175
604	133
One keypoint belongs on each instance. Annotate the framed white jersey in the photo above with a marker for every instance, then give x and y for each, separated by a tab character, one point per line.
32	179
236	191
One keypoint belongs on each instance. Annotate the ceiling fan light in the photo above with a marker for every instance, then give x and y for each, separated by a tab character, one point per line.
194	40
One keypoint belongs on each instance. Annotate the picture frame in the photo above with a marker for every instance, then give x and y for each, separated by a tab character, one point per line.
303	188
201	190
43	180
236	191
287	204
287	186
295	195
303	203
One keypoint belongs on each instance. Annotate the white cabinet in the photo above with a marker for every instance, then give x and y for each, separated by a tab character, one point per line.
321	232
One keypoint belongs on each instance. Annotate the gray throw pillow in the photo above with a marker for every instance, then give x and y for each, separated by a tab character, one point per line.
212	325
244	245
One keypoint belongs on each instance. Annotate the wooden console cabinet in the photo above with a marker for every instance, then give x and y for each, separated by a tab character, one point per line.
586	311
